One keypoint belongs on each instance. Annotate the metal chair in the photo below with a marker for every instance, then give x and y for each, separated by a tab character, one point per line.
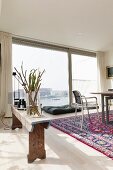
84	103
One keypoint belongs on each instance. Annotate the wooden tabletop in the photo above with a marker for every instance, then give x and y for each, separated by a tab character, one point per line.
108	93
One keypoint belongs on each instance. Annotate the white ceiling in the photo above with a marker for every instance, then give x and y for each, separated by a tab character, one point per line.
86	24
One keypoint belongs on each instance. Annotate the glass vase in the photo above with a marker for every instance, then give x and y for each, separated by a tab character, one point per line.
33	104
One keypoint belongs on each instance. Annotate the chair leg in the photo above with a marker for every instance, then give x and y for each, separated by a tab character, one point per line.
75	114
82	116
98	113
88	114
82	119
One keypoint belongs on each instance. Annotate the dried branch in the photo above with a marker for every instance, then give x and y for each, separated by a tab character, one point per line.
32	84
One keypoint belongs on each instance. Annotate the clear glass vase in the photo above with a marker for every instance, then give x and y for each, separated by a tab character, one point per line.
33	104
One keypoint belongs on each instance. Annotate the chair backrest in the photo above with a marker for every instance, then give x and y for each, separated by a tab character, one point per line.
77	96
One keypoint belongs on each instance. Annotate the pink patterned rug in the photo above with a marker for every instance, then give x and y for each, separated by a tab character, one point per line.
95	134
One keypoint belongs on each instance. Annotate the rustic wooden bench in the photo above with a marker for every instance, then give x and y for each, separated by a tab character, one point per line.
35	127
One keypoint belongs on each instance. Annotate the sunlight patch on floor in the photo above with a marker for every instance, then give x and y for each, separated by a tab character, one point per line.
50	152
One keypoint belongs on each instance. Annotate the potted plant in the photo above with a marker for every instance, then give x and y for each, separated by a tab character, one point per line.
31	83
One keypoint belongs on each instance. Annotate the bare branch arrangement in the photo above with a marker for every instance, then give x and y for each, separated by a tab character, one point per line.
31	84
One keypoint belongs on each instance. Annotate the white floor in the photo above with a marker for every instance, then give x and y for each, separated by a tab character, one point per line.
62	152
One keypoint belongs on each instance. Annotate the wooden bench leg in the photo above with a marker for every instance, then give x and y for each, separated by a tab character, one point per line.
15	122
36	142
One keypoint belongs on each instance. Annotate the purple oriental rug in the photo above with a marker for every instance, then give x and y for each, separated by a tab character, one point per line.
94	133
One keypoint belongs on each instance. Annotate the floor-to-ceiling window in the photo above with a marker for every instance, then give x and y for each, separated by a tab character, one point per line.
84	74
54	88
65	70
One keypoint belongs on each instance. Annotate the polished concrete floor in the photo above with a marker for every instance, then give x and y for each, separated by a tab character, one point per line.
63	152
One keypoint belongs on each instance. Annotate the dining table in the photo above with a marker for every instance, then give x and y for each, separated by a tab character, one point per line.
105	97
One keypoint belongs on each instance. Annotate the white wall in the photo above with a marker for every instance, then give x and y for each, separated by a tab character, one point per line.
109	62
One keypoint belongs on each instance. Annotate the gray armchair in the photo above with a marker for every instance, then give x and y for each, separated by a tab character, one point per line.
84	103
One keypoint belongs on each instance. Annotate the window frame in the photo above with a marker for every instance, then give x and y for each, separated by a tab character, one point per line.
46	45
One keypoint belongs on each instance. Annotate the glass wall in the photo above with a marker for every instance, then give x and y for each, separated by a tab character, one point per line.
54	88
84	74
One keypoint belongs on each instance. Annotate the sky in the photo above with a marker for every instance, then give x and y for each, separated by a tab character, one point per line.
55	64
84	67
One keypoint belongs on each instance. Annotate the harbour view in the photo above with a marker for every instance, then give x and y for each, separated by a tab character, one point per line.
50	97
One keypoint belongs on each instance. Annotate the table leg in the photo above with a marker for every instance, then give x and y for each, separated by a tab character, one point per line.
103	113
15	122
107	111
36	142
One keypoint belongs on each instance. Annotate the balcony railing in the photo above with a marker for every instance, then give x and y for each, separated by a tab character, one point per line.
84	86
